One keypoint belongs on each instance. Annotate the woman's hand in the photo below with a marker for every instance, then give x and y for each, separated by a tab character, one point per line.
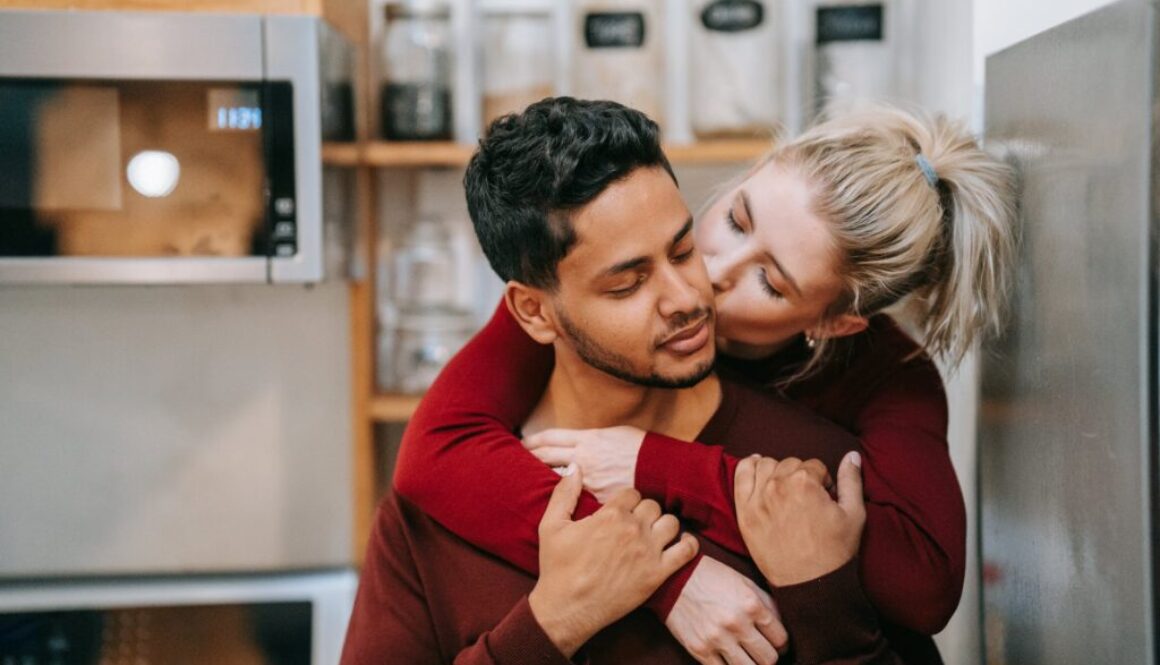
606	457
794	529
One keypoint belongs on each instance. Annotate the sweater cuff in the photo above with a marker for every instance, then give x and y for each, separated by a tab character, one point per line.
679	475
520	639
829	617
662	600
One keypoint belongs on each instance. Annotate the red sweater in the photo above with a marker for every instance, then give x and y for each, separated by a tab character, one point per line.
461	463
427	596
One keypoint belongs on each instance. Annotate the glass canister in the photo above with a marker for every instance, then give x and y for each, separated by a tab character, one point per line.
736	67
863	52
619	53
518	58
425	274
423	342
416	65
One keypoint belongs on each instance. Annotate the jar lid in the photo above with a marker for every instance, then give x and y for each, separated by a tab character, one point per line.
417	9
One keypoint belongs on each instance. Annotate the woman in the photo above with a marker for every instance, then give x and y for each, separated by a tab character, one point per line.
804	253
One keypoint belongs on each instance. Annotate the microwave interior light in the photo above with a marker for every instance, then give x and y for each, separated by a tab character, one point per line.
154	173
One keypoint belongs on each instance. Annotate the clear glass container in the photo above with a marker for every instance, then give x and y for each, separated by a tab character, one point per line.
619	53
424	267
420	345
416	64
518	58
736	67
863	52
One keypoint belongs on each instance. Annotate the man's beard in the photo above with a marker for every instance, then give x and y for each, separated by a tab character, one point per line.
620	367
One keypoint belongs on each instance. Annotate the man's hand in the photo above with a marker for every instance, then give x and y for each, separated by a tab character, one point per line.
606	456
721	616
793	529
598	569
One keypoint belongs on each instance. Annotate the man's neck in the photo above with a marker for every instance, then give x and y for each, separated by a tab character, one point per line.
579	396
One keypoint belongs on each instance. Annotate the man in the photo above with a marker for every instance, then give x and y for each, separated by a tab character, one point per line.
576	207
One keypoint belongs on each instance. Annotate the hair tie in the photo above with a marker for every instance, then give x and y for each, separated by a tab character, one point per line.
927	170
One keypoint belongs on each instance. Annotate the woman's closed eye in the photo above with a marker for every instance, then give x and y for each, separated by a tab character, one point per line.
763	281
731	221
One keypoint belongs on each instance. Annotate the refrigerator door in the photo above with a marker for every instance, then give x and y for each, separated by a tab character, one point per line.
1068	406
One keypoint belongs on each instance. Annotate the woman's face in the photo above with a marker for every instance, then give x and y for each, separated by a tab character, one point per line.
772	262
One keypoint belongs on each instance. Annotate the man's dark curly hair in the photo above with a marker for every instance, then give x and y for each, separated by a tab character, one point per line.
536	167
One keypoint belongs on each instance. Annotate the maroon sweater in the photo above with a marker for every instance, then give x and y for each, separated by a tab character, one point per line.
427	596
463	466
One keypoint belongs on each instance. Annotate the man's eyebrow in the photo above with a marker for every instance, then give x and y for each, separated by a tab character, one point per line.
625	266
634	263
682	233
780	268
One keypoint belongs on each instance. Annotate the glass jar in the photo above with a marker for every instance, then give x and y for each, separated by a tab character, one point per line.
423	342
425	273
517	61
416	65
863	52
619	53
736	67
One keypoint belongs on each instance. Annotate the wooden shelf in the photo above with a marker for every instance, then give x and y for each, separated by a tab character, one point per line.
312	7
385	154
393	408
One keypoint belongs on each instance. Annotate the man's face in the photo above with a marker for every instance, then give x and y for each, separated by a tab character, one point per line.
634	299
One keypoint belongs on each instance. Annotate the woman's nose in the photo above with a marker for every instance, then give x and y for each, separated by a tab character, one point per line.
721	272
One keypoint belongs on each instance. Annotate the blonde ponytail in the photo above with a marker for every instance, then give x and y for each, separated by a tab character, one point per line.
947	241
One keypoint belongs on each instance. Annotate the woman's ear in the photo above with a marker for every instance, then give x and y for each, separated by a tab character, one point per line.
841	325
532	310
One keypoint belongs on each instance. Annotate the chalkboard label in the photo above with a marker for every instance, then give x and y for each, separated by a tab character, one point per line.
732	15
851	23
614	30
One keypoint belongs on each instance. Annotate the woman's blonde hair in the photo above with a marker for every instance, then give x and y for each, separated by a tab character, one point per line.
944	236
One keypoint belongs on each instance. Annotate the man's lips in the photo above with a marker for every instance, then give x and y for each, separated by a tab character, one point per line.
690	339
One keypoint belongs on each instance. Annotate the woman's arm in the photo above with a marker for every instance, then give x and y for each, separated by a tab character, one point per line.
913	554
461	463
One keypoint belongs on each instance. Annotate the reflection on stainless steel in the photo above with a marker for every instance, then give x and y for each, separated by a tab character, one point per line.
1067	429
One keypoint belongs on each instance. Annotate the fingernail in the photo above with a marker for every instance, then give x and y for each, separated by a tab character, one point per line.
856	459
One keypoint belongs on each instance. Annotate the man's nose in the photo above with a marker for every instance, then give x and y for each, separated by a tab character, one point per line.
680	295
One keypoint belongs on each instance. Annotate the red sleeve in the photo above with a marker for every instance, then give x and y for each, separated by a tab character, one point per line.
830	620
914	546
391	623
460	462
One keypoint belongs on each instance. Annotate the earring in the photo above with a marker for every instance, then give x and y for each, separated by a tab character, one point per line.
810	341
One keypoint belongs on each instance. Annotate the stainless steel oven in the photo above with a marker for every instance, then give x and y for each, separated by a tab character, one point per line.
284	619
166	147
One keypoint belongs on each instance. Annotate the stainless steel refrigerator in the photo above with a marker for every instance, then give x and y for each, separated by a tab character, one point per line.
1069	417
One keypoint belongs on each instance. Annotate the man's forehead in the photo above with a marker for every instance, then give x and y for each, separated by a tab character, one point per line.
638	219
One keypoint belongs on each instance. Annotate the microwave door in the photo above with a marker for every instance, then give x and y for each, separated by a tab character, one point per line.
126	169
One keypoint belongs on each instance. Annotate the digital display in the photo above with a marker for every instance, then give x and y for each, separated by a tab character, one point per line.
234	110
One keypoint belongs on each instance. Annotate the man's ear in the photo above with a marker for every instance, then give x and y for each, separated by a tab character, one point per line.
532	310
841	325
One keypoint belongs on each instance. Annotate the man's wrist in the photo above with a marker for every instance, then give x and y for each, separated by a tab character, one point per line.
559	622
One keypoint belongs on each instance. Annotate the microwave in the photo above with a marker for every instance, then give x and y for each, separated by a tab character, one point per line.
293	618
158	147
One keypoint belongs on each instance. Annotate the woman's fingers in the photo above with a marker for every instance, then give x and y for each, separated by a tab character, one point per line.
553	455
556	438
745	479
